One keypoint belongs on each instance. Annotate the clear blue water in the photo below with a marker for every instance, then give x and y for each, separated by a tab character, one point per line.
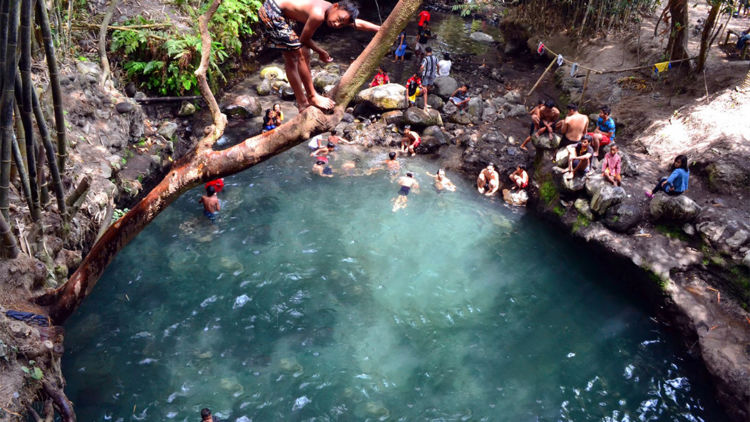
310	299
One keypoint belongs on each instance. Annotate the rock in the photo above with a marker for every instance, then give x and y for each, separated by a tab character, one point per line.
130	89
323	79
264	87
544	142
515	198
493	137
273	72
622	217
572	184
124	107
582	206
140	95
168	129
435	101
489	114
726	177
436	133
242	106
419	118
746	260
481	37
459	118
287	93
333	68
348	118
445	86
186	109
499	102
496	75
677	209
629	168
475	108
384	97
516	110
432	139
513	97
393	117
725	230
449	108
603	194
88	71
688	229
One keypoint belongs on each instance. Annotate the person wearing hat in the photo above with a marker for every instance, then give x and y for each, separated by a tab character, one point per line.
410	141
488	181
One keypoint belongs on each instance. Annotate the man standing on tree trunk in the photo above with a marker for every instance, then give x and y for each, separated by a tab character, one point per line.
281	18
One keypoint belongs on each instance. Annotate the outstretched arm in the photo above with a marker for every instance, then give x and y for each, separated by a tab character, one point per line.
363	25
312	24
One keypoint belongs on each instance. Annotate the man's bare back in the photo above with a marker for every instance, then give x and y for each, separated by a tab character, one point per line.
210	203
575	126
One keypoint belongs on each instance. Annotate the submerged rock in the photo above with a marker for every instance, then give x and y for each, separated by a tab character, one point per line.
678	209
481	37
384	97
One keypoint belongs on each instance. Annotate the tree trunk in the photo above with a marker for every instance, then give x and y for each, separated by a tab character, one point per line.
204	164
678	35
708	26
6	107
25	104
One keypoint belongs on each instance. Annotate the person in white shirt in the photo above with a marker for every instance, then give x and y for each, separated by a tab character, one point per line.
444	66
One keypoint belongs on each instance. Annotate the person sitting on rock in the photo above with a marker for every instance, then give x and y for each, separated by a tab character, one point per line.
574	126
381	78
488	181
400	52
460	98
444	66
413	89
269	120
579	157
604	133
543	119
441	181
611	168
423	37
279	114
279	17
677	182
520	177
407	183
410	141
428	70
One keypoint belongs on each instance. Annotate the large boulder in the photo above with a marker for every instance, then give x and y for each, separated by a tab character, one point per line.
241	106
516	110
384	97
726	177
678	209
475	109
572	184
420	118
481	37
432	139
459	118
273	72
433	101
499	102
623	216
393	117
725	230
513	97
444	86
544	142
324	79
603	194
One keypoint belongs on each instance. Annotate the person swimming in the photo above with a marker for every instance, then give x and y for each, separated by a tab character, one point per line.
407	183
441	181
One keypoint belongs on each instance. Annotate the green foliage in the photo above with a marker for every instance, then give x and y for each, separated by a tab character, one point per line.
118	213
165	62
581	222
672	232
548	192
35	373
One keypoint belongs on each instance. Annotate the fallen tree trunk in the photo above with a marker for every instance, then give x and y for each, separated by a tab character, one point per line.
204	164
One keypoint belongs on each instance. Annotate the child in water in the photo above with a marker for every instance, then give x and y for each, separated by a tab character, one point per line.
210	203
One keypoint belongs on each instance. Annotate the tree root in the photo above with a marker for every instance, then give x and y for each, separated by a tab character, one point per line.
63	405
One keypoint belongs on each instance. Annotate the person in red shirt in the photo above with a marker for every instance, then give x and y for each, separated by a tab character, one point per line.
424	16
218	184
381	78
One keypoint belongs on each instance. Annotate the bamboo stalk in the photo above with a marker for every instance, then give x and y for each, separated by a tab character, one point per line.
54	80
41	124
4	7
585	84
25	105
23	127
9	240
6	110
24	176
542	77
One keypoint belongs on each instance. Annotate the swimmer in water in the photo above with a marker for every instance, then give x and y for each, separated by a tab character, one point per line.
327	151
408	183
390	164
488	181
321	167
210	203
441	181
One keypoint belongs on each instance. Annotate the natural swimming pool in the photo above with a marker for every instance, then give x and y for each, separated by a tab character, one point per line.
311	300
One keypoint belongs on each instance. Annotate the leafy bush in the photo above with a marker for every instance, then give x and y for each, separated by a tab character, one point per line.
164	61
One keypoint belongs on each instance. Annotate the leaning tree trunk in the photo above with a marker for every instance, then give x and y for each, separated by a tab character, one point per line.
678	34
708	27
204	164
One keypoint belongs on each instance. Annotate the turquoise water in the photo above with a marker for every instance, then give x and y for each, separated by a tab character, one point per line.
310	299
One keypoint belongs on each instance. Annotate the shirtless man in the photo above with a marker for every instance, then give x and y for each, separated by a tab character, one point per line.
488	181
390	164
520	177
279	19
543	119
328	150
574	125
410	141
441	181
210	202
407	183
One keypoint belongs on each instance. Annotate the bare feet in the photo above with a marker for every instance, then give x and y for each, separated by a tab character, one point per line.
323	103
302	106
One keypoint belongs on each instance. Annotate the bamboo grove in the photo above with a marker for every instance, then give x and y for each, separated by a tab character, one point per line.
29	160
584	16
